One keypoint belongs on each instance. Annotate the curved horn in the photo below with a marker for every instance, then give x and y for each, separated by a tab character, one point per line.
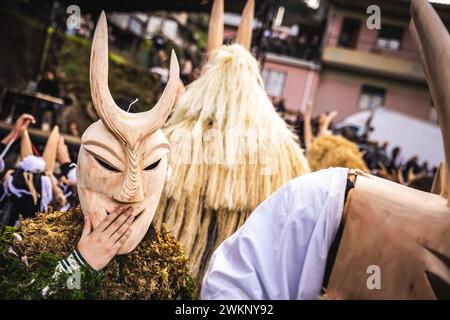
244	34
440	185
49	154
325	122
130	128
432	42
26	148
215	29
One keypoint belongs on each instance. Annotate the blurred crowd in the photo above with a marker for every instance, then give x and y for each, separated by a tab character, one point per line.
159	62
31	182
34	180
303	47
380	159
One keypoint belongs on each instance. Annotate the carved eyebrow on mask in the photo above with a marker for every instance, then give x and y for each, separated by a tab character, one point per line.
156	153
104	153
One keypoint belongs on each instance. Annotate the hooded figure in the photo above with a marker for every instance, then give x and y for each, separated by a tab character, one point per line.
230	149
32	187
67	179
355	235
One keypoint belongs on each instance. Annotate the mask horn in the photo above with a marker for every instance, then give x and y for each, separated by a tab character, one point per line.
215	29
244	33
440	185
49	154
130	128
432	42
26	148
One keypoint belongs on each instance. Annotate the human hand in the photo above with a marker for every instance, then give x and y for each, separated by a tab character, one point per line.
21	124
99	246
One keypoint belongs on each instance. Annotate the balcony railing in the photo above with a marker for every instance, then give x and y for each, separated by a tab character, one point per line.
373	62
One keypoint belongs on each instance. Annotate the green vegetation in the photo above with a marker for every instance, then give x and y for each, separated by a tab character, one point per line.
127	80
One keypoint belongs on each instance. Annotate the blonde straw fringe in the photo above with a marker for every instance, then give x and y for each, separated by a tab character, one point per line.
335	151
230	151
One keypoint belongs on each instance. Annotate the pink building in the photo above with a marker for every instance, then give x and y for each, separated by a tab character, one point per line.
359	69
288	76
363	69
294	80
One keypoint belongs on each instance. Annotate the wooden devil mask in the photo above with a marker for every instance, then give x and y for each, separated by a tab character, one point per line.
123	156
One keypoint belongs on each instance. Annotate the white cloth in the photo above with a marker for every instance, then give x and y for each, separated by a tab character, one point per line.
72	174
281	250
33	164
46	193
15	191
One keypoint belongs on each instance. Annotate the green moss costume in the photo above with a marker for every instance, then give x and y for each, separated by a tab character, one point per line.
156	269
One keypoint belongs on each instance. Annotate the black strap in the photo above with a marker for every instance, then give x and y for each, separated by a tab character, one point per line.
332	253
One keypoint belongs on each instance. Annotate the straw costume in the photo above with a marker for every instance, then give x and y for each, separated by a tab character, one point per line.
230	149
327	150
344	234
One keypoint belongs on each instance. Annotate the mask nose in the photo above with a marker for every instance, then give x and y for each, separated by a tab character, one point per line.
122	196
131	190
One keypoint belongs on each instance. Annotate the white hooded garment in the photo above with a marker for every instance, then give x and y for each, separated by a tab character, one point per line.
281	250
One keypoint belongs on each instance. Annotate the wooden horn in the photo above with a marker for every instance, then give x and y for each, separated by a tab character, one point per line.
244	33
49	154
130	128
325	122
215	29
440	185
432	42
26	148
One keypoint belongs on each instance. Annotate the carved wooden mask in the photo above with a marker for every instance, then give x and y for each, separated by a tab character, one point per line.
123	156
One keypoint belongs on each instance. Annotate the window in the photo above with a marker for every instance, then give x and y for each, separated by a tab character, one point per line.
390	37
274	82
349	33
371	97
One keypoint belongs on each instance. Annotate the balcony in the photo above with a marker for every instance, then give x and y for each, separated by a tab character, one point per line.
373	63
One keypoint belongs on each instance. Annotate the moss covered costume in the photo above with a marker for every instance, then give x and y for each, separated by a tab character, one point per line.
30	254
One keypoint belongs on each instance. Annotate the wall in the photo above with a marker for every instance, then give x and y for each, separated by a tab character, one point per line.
367	38
296	82
340	83
339	90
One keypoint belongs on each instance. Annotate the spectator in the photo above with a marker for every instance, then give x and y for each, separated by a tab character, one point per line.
48	85
411	164
280	106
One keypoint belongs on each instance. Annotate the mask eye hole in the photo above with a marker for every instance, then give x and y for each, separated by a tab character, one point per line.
106	165
153	165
